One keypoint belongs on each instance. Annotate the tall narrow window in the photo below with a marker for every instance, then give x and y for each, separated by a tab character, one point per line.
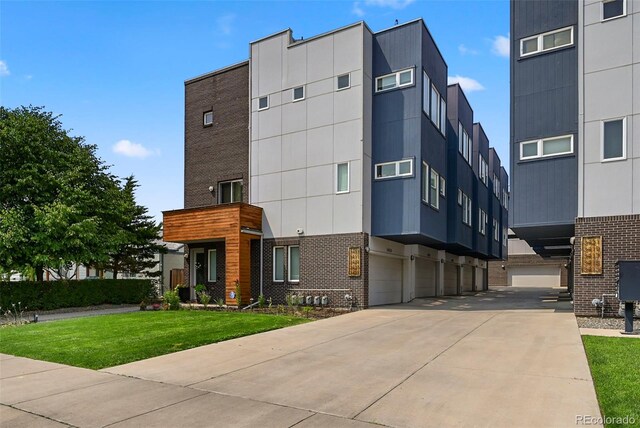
278	264
465	144
294	263
443	116
434	182
613	139
342	178
426	88
425	182
443	187
460	138
213	266
435	106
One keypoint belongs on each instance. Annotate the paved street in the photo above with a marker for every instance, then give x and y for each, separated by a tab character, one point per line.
503	358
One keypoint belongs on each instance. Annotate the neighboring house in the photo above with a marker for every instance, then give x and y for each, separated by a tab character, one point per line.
524	268
575	137
172	260
338	166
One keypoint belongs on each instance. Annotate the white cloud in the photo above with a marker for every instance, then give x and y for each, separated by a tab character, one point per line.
224	24
393	4
4	69
357	10
132	150
466	83
467	51
501	46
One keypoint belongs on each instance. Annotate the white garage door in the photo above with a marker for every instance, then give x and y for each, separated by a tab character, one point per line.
425	278
385	280
450	279
534	276
467	284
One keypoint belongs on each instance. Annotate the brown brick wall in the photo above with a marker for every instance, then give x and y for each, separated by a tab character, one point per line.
498	276
219	152
323	269
620	241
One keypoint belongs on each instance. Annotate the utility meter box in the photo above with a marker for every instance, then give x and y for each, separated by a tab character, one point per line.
316	300
309	300
628	280
325	300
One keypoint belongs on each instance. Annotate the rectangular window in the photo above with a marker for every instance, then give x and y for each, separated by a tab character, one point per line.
263	103
294	263
342	178
398	79
401	168
465	144
278	264
213	266
344	81
496	230
425	183
469	150
443	187
434	182
435	106
298	93
466	209
460	138
426	88
546	147
443	116
460	197
482	222
230	191
613	139
505	236
207	118
546	41
613	9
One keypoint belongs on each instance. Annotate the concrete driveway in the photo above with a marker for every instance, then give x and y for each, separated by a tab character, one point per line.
502	358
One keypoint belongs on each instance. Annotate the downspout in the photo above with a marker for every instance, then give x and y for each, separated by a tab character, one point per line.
261	235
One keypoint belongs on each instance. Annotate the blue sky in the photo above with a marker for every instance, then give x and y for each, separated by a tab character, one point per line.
115	70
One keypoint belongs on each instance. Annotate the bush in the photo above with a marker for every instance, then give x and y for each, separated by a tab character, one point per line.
204	298
172	299
47	295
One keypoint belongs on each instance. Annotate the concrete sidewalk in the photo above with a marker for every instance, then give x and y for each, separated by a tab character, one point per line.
504	358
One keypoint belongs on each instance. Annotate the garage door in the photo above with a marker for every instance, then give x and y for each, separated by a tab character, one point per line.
385	280
467	284
450	279
534	276
425	278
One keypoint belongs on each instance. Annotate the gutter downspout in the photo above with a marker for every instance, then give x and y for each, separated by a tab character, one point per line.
261	235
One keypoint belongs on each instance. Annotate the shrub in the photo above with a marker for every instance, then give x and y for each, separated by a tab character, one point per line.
204	298
172	299
220	302
47	295
200	288
261	301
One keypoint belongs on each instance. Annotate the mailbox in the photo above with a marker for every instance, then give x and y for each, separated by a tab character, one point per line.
628	280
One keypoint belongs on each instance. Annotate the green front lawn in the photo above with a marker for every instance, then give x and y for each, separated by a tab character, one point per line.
110	340
615	367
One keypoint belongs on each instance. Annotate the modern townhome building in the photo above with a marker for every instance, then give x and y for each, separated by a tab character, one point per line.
340	169
575	160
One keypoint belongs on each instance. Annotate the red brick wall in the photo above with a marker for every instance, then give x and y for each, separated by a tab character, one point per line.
620	241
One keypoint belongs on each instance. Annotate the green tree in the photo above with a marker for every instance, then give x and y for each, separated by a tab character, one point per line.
55	195
137	239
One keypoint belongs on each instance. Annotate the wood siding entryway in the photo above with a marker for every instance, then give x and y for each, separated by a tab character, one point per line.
198	225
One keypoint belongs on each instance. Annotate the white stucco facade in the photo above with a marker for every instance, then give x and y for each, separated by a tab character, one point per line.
609	88
296	146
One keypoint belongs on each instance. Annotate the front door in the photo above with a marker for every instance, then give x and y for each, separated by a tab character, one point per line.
197	275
